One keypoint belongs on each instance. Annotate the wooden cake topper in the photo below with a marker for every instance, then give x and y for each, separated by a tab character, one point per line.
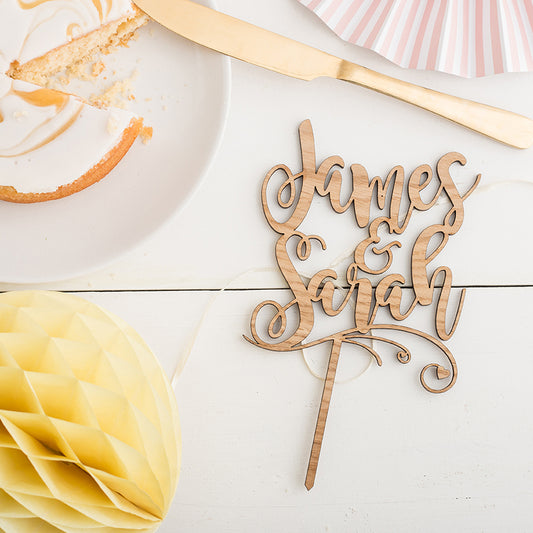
295	195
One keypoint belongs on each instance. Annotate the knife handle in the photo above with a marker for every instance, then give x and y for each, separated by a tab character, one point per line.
504	126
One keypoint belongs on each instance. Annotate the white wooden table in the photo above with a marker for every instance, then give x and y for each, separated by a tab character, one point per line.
395	458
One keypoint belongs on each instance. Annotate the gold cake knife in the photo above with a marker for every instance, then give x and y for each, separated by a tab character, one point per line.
260	47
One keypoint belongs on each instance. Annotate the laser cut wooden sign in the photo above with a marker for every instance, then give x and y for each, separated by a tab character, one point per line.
390	195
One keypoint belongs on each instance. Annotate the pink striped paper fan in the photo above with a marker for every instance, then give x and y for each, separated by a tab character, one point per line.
464	37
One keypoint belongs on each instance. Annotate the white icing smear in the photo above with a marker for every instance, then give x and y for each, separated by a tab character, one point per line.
49	139
31	28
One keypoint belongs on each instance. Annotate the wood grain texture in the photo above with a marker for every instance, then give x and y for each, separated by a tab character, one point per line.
322	415
397	198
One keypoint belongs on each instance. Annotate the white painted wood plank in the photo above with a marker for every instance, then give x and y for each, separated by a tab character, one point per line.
395	458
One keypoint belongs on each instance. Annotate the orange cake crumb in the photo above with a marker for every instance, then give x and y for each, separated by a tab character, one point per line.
98	68
146	134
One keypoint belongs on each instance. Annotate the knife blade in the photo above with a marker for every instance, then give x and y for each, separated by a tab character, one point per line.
255	45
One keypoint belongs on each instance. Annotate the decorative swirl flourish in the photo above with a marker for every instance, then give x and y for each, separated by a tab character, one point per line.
403	355
277	324
303	248
369	349
451	373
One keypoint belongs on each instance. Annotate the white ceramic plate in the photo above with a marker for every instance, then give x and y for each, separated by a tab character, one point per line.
182	90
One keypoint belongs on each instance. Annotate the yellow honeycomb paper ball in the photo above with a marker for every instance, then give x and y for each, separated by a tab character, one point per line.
89	433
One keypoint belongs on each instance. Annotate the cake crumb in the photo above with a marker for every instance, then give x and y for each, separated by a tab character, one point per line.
117	95
79	70
53	83
85	70
97	68
146	134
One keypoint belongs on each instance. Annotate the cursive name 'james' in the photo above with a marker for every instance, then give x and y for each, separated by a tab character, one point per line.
393	195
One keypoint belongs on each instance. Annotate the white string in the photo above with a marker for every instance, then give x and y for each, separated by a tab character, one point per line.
192	339
489	187
338	381
496	184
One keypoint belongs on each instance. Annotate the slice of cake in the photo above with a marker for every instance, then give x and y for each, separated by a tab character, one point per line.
42	37
48	137
53	144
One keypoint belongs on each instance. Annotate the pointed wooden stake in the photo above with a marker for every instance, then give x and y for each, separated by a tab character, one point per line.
323	414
